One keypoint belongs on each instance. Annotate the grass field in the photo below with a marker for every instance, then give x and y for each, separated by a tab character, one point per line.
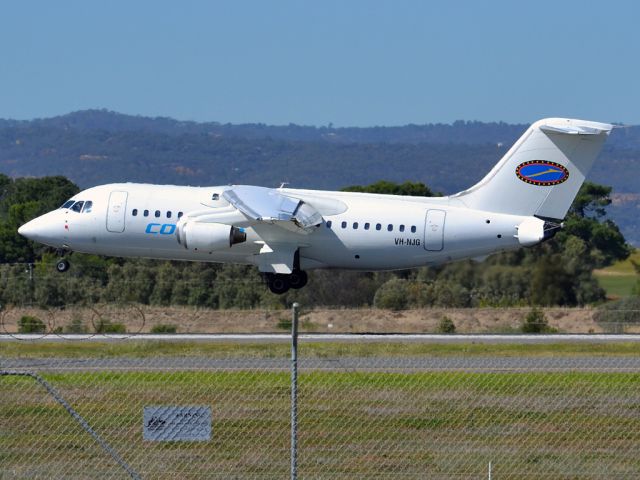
148	349
354	423
619	279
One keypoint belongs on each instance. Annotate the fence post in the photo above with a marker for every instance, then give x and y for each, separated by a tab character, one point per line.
294	391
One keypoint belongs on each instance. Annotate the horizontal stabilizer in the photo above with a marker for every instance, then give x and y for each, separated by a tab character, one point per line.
575	129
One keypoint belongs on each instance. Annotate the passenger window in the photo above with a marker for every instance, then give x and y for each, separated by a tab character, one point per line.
157	213
413	229
146	213
328	223
366	226
378	226
344	224
169	214
390	227
68	203
402	228
179	214
355	225
134	212
87	206
77	207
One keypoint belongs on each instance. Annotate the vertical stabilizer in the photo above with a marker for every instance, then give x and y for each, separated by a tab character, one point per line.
543	171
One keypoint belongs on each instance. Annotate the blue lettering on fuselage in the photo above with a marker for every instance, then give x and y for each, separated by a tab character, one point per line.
160	228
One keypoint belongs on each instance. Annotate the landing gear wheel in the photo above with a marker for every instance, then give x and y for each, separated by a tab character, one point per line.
62	266
278	283
298	279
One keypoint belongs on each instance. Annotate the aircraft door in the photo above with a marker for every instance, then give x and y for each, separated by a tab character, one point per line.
434	230
116	212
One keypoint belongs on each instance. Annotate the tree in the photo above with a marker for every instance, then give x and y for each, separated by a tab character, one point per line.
392	295
591	201
586	220
415	189
21	200
636	267
551	284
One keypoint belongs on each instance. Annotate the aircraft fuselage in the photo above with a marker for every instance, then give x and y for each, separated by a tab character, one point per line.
374	232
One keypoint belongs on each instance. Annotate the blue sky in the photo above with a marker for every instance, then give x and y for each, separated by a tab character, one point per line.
348	62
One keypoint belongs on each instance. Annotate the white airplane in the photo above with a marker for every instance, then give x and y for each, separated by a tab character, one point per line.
285	231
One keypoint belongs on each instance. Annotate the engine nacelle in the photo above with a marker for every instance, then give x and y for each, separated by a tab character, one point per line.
194	235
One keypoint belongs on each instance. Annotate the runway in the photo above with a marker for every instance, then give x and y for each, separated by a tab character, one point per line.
328	337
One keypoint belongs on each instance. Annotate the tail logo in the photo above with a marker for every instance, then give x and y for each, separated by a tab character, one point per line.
542	173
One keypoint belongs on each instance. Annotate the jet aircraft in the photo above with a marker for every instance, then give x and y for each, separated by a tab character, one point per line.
285	231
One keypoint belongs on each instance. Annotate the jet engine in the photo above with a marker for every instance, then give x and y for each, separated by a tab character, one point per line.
194	235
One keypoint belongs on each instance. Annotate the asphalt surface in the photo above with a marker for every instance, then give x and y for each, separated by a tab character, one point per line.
329	337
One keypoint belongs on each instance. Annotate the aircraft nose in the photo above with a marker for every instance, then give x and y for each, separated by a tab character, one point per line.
29	229
44	229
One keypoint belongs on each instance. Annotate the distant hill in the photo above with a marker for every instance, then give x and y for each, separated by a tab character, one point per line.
93	120
97	146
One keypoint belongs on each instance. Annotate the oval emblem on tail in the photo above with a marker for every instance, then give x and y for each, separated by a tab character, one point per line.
542	172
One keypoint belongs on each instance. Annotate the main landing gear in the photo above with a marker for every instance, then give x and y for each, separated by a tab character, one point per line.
280	283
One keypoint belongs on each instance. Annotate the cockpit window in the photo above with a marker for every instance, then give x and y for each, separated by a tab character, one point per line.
77	207
68	203
87	206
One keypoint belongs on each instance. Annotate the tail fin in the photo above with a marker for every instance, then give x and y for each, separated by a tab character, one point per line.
543	171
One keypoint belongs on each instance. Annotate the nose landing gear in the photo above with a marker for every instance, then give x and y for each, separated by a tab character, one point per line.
62	265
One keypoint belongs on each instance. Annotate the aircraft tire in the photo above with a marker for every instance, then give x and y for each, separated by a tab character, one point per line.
62	266
278	283
298	279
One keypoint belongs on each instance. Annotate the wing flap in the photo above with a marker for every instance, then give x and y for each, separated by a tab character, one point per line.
269	205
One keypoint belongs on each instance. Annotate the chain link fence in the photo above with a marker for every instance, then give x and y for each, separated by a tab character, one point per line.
413	406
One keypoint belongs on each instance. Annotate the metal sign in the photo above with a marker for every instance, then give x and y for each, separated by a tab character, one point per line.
177	424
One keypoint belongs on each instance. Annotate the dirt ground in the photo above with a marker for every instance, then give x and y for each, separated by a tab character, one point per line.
142	318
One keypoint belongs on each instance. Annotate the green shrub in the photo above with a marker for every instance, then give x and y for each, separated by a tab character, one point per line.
446	325
164	328
105	325
536	322
284	324
30	324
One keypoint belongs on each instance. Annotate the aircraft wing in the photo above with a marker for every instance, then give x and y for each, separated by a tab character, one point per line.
281	220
